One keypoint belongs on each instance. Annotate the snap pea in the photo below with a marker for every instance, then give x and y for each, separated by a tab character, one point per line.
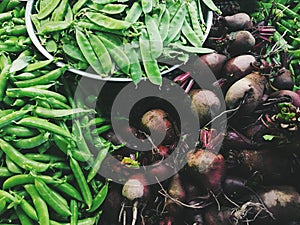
68	190
4	172
100	130
16	30
117	54
47	9
3	5
59	13
5	16
18	158
32	142
38	65
16	180
25	76
54	103
10	49
2	205
78	5
44	79
23	218
19	21
210	4
43	124
164	24
33	92
91	26
5	64
12	4
39	204
134	13
6	112
156	43
150	65
192	9
14	116
58	113
12	167
176	23
100	197
81	181
88	52
287	10
146	6
97	163
101	52
191	35
109	9
54	26
73	52
136	72
106	21
48	158
53	201
74	211
69	14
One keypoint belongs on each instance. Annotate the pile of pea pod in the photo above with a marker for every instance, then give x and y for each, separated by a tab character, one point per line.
284	16
50	143
134	39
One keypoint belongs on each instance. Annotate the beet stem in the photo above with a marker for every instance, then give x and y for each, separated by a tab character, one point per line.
134	212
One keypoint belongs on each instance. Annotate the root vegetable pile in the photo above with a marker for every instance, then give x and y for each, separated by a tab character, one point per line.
62	161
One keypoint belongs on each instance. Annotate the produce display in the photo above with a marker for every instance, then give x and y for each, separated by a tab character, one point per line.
213	142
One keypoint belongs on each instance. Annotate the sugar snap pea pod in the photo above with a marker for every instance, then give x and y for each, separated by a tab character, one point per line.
117	54
12	4
106	21
91	26
74	211
164	24
32	92
44	79
6	112
24	76
4	172
39	204
134	13
78	5
5	64
53	201
146	6
156	44
44	157
150	65
31	142
192	9
287	10
74	52
101	52
10	49
47	9
100	130
210	4
97	163
87	51
190	35
18	158
23	218
59	13
176	23
38	65
12	166
14	116
109	9
16	30
43	124
5	16
100	197
54	26
3	206
136	72
16	180
3	5
68	190
81	181
58	113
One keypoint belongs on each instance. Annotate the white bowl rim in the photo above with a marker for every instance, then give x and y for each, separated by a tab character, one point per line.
45	53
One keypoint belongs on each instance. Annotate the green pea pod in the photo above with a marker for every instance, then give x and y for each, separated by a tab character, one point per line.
136	72
23	218
176	24
100	197
134	13
12	166
69	14
2	204
101	130
156	43
53	201
92	26
286	10
117	54
4	172
192	9
39	204
3	5
210	4
5	65
14	116
190	35
109	9
19	131
38	65
78	5
88	52
150	65
164	24
191	49
147	6
101	52
74	210
17	30
106	21
69	190
73	52
12	4
5	16
45	79
60	12
54	103
58	113
54	26
98	162
44	157
33	92
81	181
32	142
47	9
20	159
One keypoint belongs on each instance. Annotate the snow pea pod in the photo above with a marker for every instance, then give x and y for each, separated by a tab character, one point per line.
156	44
47	9
134	13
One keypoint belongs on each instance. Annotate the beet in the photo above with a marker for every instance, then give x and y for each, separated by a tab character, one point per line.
238	21
283	80
205	104
239	66
295	98
240	42
214	61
